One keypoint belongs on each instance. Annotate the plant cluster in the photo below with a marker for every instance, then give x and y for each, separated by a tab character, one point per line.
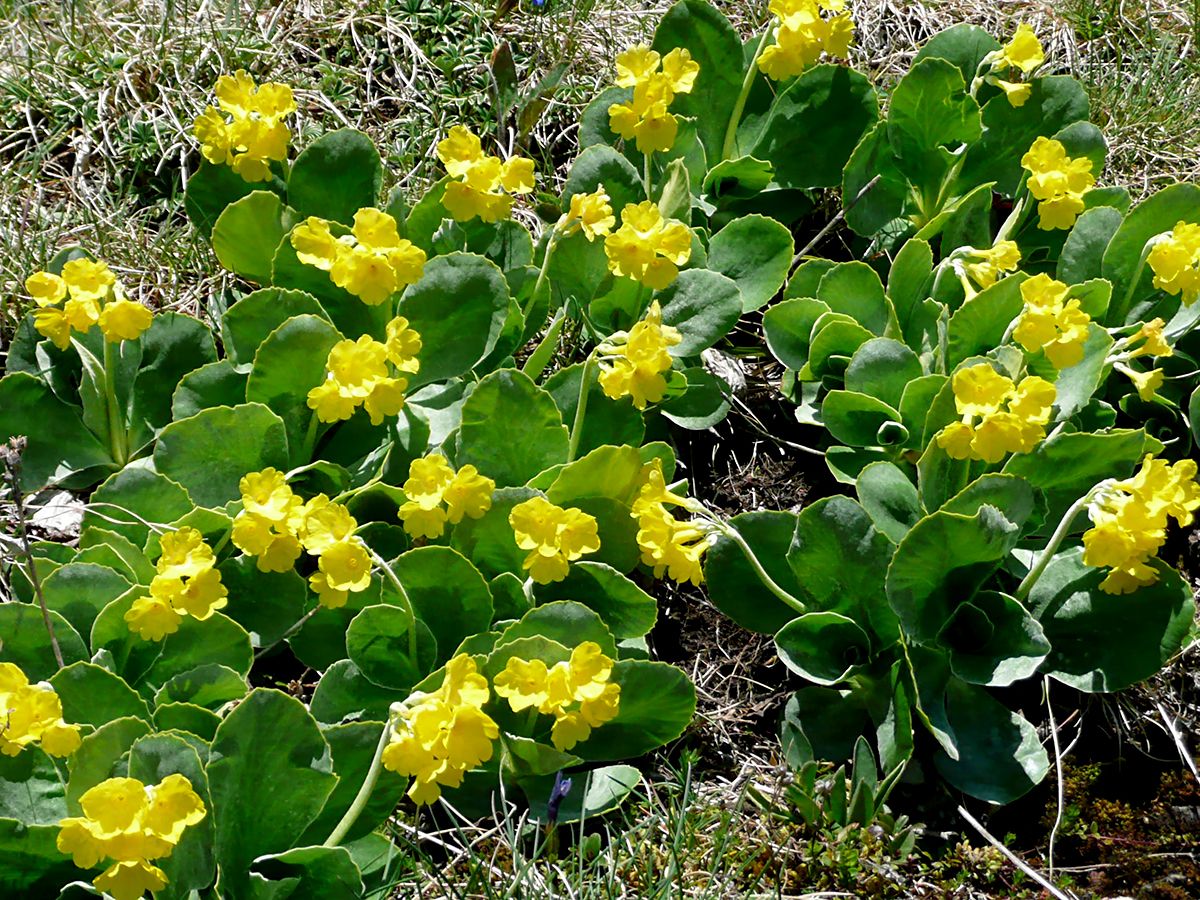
426	454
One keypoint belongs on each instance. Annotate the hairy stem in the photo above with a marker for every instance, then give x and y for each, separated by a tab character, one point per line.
364	793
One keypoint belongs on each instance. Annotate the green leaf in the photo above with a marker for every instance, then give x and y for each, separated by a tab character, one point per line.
703	305
703	403
60	449
890	499
93	695
601	165
732	583
248	232
925	583
1105	643
854	289
1000	756
209	685
993	640
565	621
858	419
755	253
107	548
833	102
31	788
266	604
823	647
1153	216
98	756
151	759
214	384
335	176
27	643
741	178
187	717
714	44
80	590
626	609
172	346
31	865
247	323
488	542
317	871
210	189
133	497
511	429
288	364
377	643
880	203
1076	385
883	368
606	421
458	307
788	326
344	694
839	559
929	111
210	452
602	790
353	746
1054	102
821	723
981	322
962	44
448	594
217	641
1083	252
657	704
270	775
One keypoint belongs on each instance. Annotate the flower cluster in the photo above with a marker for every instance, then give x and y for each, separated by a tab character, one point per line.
632	363
275	525
32	714
647	247
433	482
986	265
372	262
803	35
1012	417
130	823
1057	182
579	693
1175	259
1050	322
667	544
93	297
484	185
591	214
187	583
1153	343
1129	521
554	537
253	135
1023	53
438	737
645	117
357	374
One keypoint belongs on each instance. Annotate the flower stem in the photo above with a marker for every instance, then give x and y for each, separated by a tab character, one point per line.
646	174
406	603
364	793
739	106
585	383
1064	526
771	585
1118	313
118	442
310	438
536	364
551	245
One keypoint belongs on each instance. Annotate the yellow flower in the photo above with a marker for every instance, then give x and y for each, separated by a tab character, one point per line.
88	279
253	135
124	320
647	247
1130	518
1012	417
989	264
46	288
803	35
356	374
584	680
1015	92
1145	383
431	482
315	244
130	823
1155	341
52	323
328	597
485	184
1024	54
32	714
554	537
1051	323
403	345
668	545
1058	182
438	737
645	118
323	523
632	363
186	583
1175	259
346	566
372	263
592	214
